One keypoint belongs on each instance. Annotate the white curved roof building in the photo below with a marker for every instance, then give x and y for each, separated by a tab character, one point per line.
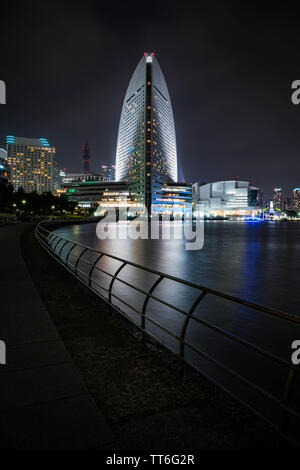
146	155
227	197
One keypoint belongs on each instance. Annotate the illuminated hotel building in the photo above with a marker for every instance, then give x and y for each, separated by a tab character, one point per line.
146	155
224	198
32	164
277	199
296	199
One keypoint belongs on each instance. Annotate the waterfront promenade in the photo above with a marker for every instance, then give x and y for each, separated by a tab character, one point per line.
77	376
44	402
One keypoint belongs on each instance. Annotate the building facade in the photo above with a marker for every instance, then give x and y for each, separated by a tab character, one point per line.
287	204
100	195
82	178
175	198
296	199
4	170
108	172
146	155
32	164
226	198
277	198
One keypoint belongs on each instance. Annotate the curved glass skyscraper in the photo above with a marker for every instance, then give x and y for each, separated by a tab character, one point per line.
146	154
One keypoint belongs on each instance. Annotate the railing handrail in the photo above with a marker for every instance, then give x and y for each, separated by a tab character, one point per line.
51	241
247	303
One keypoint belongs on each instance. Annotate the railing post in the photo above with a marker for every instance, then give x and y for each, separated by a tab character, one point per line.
62	248
113	280
92	268
78	259
287	393
53	249
187	320
153	287
52	241
71	248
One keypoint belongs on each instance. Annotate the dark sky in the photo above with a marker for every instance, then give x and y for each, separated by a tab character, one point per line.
228	65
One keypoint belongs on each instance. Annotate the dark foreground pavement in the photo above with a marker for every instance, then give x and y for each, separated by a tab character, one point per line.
149	399
44	402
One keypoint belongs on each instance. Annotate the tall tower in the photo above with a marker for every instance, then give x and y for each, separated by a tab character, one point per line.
146	155
86	157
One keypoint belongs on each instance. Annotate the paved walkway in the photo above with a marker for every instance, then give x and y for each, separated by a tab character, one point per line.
44	403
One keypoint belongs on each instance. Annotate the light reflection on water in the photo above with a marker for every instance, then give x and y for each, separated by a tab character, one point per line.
257	262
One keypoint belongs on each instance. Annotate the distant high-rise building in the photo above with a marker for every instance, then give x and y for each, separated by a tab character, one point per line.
277	198
287	203
86	157
146	155
296	199
108	172
32	164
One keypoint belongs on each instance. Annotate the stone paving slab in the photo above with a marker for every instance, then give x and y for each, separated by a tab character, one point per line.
44	402
70	423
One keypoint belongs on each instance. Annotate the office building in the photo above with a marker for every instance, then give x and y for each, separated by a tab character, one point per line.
82	178
108	172
32	164
100	195
174	198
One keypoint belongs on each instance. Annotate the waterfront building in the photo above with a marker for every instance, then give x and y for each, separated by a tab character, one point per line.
4	170
32	164
82	178
146	155
287	203
174	197
296	199
86	157
108	172
277	199
100	195
227	198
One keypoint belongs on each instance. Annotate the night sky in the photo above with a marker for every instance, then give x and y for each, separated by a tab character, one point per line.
228	66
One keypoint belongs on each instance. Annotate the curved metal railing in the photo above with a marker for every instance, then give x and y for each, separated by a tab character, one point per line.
62	249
